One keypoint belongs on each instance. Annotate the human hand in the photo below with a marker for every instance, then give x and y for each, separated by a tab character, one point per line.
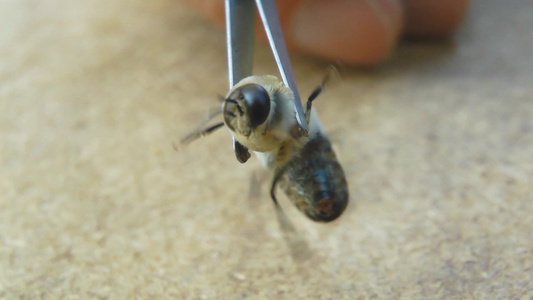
358	32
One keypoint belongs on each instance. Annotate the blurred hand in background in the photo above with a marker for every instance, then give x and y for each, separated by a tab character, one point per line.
357	32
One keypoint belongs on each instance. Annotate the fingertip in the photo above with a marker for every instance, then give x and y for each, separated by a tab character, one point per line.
212	9
433	18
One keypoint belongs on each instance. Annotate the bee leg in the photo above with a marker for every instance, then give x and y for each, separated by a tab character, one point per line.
257	179
284	221
309	103
297	244
253	189
317	92
241	152
199	133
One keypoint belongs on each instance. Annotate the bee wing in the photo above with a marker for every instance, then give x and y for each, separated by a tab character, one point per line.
295	241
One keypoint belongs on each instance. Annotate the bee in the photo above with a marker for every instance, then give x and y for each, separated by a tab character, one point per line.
259	112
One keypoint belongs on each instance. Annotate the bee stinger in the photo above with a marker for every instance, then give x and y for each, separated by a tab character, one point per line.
259	112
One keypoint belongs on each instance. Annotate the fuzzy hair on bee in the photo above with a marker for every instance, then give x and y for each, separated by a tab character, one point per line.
259	112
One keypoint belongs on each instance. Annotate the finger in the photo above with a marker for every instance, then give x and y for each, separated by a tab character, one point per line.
362	32
213	9
433	18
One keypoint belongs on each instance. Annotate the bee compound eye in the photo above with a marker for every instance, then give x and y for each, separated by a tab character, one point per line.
257	102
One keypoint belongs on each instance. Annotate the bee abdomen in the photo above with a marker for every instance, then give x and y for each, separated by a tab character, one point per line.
315	181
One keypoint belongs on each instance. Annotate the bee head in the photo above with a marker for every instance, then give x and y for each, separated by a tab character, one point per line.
246	108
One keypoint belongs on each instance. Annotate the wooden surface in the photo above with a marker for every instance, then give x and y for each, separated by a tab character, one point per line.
437	145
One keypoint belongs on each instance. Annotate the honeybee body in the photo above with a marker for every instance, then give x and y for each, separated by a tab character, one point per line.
314	181
259	112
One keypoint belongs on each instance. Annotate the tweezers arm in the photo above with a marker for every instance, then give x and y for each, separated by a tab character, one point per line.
269	15
240	24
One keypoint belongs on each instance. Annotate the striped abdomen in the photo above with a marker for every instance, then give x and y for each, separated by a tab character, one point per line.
315	182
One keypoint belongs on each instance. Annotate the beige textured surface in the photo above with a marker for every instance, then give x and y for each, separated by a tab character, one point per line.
96	204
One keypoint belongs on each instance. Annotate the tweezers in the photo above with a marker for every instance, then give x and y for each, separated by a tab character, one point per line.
240	24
